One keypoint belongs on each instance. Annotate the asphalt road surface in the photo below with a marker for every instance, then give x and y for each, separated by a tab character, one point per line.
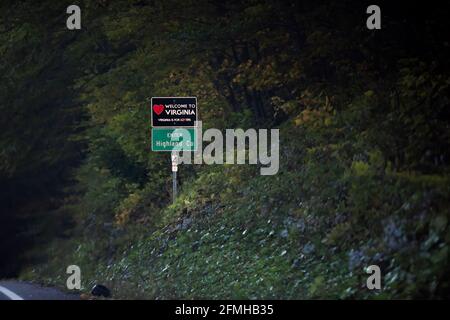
16	290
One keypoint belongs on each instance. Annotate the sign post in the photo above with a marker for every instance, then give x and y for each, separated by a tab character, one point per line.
174	175
174	122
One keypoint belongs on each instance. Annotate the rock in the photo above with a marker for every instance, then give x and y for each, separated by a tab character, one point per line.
355	259
186	223
100	291
309	248
296	263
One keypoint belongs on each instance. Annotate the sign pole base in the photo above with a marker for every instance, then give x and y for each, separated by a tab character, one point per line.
174	186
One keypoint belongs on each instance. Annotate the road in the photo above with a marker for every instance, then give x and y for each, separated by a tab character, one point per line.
17	290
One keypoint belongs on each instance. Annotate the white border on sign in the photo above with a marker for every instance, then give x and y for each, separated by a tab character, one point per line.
196	112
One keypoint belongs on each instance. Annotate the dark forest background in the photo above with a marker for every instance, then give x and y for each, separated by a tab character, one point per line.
364	172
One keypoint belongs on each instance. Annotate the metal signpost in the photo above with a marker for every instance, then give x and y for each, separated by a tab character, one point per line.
174	175
174	121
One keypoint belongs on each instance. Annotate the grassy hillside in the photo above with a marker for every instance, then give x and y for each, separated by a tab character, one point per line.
307	232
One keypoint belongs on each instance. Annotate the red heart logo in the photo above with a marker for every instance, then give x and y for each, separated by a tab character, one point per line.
158	108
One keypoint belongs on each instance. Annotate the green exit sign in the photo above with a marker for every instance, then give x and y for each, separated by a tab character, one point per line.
174	139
